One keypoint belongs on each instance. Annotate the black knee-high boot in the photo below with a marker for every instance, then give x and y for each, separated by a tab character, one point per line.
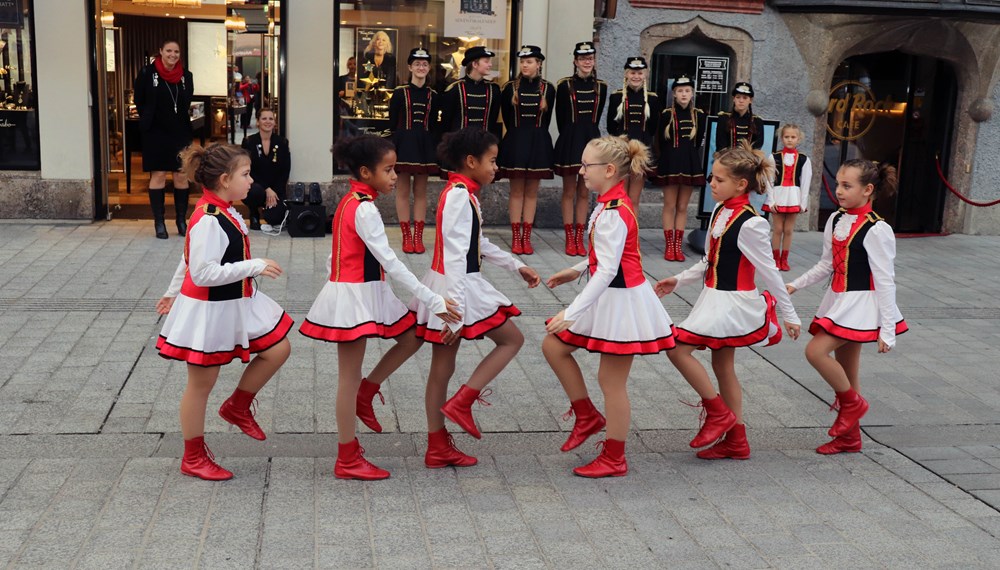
181	209
156	204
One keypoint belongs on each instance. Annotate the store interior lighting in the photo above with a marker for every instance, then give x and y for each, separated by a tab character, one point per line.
177	3
236	23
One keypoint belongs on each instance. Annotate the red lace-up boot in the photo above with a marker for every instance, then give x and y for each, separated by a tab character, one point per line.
852	408
679	245
407	237
516	245
570	240
777	258
459	409
366	397
784	261
351	464
717	420
418	237
850	442
610	463
734	446
199	462
441	451
668	248
237	411
528	248
581	249
588	422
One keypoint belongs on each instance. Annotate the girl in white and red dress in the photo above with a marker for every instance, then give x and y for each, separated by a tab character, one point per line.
860	307
617	314
789	193
730	312
215	313
459	250
357	303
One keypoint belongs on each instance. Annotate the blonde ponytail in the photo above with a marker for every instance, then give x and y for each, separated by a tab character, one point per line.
630	157
746	163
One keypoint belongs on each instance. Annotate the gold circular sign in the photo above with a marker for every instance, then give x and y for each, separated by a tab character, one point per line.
850	116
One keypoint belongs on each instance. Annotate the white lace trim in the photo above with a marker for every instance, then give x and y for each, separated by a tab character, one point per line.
843	228
721	221
788	158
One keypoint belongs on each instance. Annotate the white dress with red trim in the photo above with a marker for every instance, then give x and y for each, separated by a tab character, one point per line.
789	193
218	314
357	302
730	312
617	312
858	252
459	251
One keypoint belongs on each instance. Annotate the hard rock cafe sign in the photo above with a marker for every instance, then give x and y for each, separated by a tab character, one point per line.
853	110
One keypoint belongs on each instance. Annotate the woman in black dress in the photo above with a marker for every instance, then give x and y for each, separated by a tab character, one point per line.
413	111
525	155
634	111
163	92
270	163
580	101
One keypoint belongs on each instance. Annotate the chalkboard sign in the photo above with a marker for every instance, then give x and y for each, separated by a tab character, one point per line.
713	75
11	14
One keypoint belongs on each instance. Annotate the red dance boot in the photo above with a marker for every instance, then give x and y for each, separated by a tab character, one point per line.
459	409
441	451
418	237
734	446
351	464
679	245
610	463
588	422
407	238
199	462
852	408
850	442
366	397
570	240
581	249
528	249
237	411
777	258
668	248
784	261
516	245
717	420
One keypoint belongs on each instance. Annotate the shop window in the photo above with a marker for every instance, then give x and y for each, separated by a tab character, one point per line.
379	34
18	113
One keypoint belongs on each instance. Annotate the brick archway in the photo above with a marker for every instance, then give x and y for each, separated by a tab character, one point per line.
737	40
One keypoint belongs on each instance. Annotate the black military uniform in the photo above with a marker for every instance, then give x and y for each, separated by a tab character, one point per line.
680	136
733	127
472	103
526	148
579	108
634	121
413	120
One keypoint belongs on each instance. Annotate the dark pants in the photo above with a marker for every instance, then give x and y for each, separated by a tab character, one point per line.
255	202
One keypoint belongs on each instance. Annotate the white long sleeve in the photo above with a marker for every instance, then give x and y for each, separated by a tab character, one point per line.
880	243
371	230
177	280
583	265
456	223
207	242
804	182
824	267
754	242
610	234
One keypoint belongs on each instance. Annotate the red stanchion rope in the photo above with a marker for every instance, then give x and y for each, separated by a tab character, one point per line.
937	162
829	192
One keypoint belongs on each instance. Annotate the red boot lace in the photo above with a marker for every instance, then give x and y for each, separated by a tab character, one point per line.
481	398
566	417
380	396
701	416
835	406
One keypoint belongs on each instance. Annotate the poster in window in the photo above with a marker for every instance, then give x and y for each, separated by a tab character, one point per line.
376	57
11	14
484	19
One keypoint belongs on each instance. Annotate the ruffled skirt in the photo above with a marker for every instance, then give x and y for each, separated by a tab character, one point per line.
723	319
623	321
485	308
783	200
345	312
853	316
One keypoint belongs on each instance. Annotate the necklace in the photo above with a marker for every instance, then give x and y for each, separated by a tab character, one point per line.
173	96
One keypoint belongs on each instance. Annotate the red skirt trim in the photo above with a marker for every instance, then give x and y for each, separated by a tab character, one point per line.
567	169
749	339
602	346
474	331
782	209
209	359
414	168
853	335
363	330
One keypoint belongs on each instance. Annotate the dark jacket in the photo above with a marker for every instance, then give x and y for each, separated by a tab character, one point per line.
153	100
269	170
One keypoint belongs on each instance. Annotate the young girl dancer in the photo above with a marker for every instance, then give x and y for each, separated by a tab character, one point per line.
679	136
459	251
617	314
860	307
413	111
215	313
633	111
741	124
526	150
357	303
789	193
580	101
730	312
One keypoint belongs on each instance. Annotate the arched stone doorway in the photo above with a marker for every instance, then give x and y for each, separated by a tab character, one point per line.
680	56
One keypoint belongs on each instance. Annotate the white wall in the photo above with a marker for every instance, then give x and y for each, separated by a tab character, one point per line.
309	124
63	89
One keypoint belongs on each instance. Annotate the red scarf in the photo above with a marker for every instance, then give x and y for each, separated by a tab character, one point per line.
169	75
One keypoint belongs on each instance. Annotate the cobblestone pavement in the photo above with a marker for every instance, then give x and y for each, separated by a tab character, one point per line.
89	442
